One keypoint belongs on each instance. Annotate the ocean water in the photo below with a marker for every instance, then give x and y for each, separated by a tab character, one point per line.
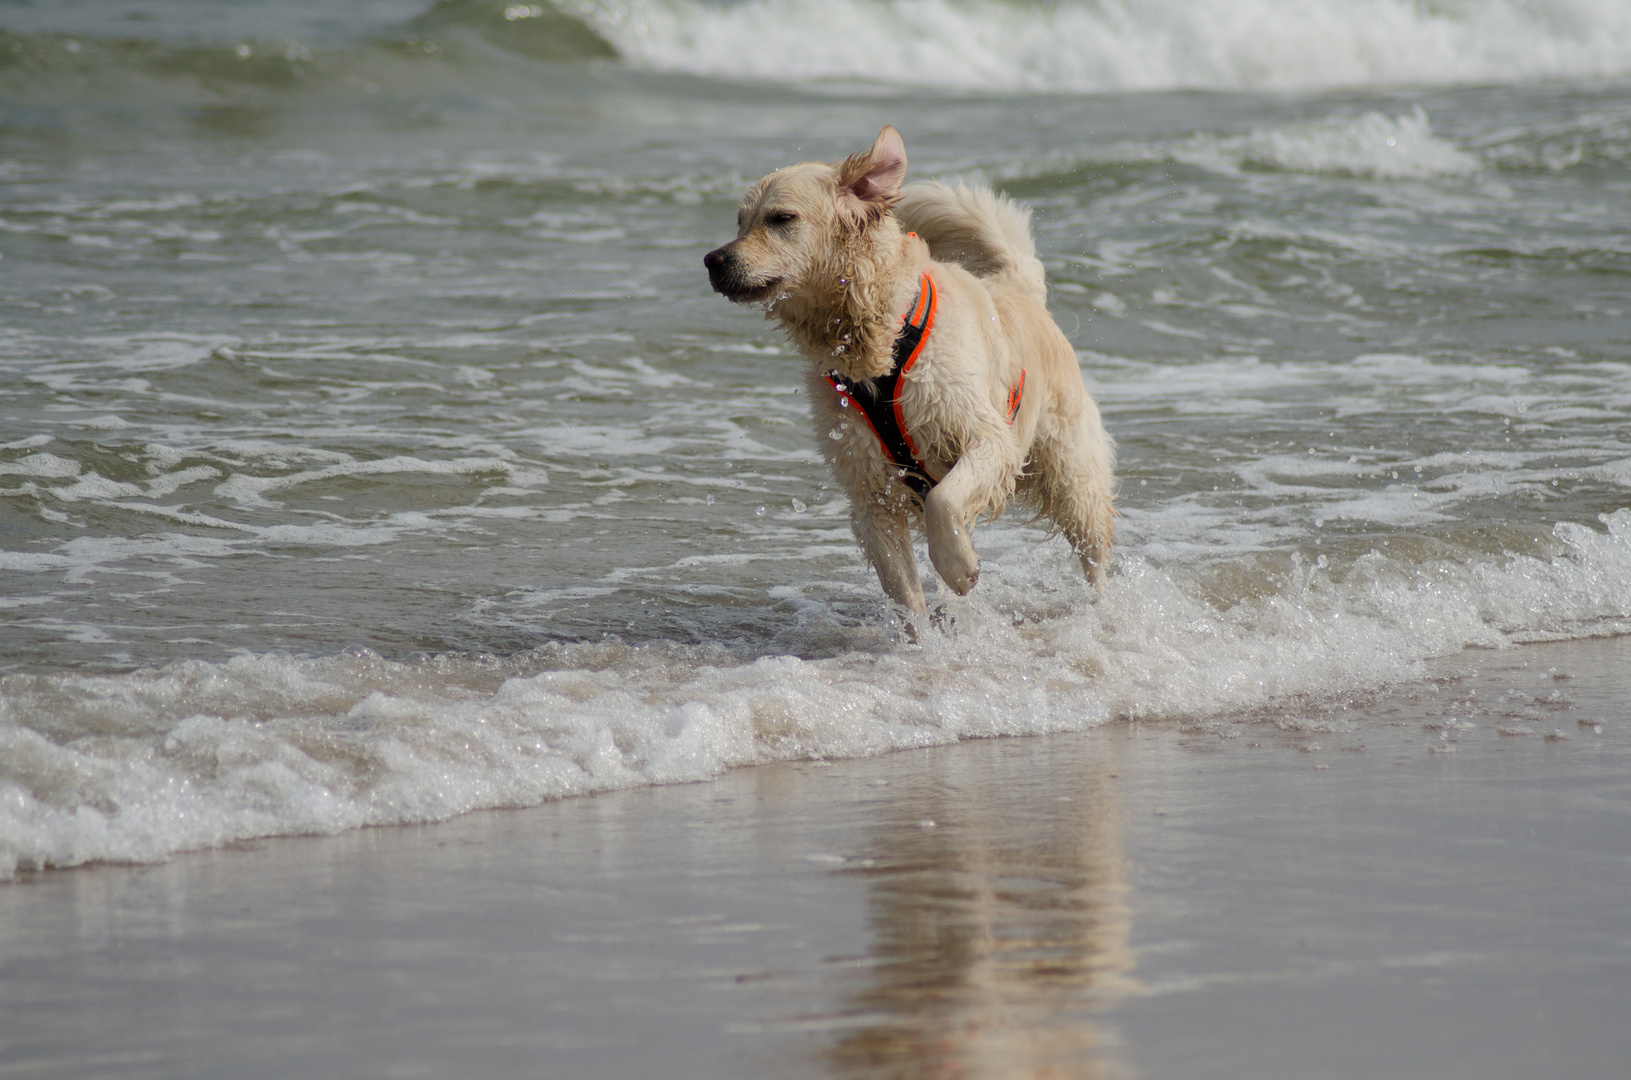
372	448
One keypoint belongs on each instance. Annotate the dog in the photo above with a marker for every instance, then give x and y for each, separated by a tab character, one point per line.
939	384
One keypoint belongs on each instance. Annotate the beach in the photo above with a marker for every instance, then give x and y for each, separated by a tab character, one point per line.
432	640
1429	882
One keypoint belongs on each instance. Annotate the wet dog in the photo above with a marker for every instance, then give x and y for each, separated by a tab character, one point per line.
940	386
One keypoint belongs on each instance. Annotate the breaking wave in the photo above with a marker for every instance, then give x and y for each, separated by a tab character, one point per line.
966	45
1107	45
137	766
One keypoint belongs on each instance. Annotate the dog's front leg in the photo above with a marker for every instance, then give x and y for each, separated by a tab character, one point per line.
982	479
886	540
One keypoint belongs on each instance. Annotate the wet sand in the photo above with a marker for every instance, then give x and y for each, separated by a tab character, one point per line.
1434	882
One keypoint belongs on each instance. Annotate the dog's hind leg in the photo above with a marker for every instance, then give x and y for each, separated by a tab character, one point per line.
886	540
1071	473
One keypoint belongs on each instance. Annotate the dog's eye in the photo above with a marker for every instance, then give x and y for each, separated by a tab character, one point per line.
781	217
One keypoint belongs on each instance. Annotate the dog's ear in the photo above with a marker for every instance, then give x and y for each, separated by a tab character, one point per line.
869	183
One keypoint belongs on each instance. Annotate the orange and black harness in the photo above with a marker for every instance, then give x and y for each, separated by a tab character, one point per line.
878	399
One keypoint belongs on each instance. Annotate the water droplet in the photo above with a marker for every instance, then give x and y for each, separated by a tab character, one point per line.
840	387
834	435
843	403
710	499
798	507
759	512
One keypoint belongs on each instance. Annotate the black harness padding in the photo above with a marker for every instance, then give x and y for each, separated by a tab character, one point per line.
879	398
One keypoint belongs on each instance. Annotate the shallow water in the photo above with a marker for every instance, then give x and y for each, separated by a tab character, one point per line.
1426	882
372	448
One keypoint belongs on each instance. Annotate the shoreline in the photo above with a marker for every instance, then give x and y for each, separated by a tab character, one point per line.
1405	885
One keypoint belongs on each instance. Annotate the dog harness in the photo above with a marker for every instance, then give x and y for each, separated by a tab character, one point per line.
878	399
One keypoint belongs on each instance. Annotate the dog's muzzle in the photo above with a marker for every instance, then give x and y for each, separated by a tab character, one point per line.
726	277
721	269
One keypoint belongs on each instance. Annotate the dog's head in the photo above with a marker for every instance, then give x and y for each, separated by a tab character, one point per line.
799	219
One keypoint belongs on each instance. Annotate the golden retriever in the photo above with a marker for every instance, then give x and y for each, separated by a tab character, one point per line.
940	386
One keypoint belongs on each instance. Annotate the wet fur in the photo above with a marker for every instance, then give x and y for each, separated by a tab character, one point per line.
828	251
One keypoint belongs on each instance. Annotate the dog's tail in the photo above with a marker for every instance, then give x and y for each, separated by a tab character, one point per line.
974	226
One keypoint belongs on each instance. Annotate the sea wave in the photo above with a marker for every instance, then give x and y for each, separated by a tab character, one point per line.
1371	145
134	767
943	45
1107	45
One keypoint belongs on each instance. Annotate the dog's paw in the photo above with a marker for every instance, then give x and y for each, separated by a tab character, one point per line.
951	549
956	562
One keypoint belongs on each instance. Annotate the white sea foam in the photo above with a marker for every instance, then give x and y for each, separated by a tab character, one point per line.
40	465
246	490
135	767
1373	145
1116	45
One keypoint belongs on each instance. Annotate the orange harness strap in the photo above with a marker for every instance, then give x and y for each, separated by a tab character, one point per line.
878	400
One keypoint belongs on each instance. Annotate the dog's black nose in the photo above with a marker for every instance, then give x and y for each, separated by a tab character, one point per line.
720	266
